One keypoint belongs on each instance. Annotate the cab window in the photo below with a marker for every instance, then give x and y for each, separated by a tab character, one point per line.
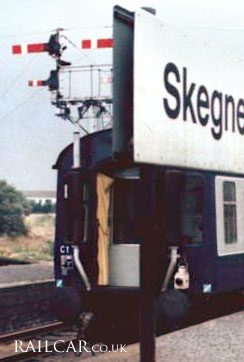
192	209
125	226
229	198
229	204
184	208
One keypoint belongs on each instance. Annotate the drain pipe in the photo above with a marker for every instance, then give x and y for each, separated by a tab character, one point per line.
76	228
173	260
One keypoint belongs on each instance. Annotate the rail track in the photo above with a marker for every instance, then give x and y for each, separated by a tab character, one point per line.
35	334
25	306
61	335
45	340
8	261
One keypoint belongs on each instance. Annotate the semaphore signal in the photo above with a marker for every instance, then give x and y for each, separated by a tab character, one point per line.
52	82
100	106
37	83
53	47
29	48
97	43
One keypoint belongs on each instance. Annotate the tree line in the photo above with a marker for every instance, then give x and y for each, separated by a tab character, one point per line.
14	206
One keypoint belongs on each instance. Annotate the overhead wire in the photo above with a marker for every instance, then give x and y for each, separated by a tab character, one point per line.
76	47
24	34
19	74
20	105
90	27
51	31
209	28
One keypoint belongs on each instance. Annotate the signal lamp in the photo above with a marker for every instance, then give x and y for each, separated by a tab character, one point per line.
53	81
54	47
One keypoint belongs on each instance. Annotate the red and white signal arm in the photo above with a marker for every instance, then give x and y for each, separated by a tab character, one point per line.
29	48
97	43
37	83
101	43
188	97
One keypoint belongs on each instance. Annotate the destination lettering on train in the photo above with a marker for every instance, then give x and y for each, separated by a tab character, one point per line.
221	112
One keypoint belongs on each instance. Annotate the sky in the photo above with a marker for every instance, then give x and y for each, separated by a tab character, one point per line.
31	135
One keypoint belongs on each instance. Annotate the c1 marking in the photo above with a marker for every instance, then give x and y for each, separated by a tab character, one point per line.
65	249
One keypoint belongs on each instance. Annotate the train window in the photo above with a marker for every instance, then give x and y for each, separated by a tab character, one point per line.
85	214
229	196
184	208
229	199
67	212
83	200
125	227
192	210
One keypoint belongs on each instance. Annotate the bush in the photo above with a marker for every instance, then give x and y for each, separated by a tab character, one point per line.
38	207
13	206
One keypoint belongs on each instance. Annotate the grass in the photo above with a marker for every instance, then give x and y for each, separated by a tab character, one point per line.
37	245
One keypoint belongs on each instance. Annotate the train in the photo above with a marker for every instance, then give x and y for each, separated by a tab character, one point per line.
196	241
152	207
